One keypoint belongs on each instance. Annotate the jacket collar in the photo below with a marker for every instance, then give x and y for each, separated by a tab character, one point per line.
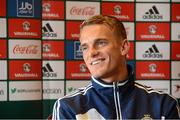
99	84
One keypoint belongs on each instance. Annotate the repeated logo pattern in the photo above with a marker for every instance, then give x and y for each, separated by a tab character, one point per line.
40	49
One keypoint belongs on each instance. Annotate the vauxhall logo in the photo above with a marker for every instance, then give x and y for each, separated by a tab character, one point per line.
46	7
153	13
153	68
26	26
47	47
152	52
48	71
48	31
26	67
117	9
152	29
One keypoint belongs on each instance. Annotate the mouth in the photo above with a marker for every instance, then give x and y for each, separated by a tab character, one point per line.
98	61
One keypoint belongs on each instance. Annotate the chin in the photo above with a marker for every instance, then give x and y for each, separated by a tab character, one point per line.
97	73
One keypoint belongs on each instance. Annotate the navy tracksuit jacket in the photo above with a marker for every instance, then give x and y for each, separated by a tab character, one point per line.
126	100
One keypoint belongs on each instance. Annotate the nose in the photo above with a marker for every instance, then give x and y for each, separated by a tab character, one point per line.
93	52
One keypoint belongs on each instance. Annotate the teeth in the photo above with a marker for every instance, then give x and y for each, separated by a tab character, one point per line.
96	62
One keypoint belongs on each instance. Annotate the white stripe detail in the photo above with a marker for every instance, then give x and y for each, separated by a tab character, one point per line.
148	90
151	90
58	111
119	106
78	92
104	85
114	89
54	111
178	109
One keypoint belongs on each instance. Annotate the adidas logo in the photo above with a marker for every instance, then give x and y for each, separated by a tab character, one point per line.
47	68
153	49
47	28
152	52
153	13
47	31
153	10
48	71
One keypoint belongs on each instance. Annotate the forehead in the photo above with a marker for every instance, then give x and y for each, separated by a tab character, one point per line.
92	32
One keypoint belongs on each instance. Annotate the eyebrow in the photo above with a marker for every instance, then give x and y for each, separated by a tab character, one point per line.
84	44
96	40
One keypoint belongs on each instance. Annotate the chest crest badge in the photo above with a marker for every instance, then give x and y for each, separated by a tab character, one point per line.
146	117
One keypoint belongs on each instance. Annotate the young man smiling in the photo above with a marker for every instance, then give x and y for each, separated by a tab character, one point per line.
112	94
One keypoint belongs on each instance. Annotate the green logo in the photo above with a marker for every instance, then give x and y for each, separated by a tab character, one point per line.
71	89
13	90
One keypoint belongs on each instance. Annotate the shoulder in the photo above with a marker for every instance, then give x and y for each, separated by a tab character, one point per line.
76	94
146	90
73	101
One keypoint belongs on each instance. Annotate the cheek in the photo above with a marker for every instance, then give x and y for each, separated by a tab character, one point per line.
85	58
115	57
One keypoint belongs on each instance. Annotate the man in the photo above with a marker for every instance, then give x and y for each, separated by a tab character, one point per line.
112	94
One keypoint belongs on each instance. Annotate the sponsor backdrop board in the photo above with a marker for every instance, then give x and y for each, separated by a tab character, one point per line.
40	57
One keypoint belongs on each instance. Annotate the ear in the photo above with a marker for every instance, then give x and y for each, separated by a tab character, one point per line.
125	46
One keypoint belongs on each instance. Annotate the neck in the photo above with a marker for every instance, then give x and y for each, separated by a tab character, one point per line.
119	76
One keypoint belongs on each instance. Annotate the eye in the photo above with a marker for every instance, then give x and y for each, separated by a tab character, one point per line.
101	43
83	48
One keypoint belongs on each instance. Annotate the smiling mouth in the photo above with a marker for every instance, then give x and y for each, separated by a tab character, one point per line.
97	61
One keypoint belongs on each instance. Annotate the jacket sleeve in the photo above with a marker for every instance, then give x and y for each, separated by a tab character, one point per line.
172	109
61	111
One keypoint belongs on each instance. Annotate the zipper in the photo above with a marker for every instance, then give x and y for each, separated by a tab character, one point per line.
117	101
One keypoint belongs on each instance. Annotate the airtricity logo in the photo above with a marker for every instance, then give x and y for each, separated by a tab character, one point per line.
152	52
13	90
48	31
153	13
48	71
71	89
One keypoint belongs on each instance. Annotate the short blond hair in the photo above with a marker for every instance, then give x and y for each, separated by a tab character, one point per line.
112	22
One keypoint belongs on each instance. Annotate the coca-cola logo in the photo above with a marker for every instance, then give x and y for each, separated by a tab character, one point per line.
82	11
30	49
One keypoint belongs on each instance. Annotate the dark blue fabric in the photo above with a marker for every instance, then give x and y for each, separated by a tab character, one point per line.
136	100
